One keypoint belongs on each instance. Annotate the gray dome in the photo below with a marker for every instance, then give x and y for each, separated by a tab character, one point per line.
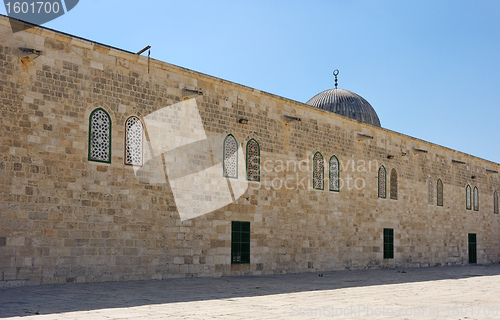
345	103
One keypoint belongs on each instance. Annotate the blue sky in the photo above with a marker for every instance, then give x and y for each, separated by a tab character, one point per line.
429	68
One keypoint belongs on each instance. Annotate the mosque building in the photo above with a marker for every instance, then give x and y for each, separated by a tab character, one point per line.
115	166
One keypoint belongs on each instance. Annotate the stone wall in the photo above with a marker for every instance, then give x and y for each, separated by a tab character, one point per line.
64	218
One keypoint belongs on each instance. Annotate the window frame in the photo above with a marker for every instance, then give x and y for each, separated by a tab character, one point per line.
439	186
247	160
388	243
394	173
472	247
385	182
475	201
322	171
430	191
126	140
468	197
238	230
90	136
495	202
334	157
224	171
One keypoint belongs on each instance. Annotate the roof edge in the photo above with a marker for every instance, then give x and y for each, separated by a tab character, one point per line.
274	96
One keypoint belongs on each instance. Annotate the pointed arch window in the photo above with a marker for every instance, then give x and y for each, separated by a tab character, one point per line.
468	198
495	202
430	191
439	193
253	160
394	184
382	183
230	157
476	199
99	136
318	171
134	132
334	178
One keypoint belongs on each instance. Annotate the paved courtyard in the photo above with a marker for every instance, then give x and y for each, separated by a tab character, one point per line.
459	292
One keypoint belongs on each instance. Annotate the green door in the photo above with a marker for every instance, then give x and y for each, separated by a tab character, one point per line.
472	248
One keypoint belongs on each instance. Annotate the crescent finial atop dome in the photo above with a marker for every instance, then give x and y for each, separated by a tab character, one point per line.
336	73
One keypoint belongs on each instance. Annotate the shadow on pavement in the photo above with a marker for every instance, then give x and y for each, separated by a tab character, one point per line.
54	299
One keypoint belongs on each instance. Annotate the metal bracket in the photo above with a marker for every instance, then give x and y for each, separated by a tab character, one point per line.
290	118
30	54
362	136
419	150
189	94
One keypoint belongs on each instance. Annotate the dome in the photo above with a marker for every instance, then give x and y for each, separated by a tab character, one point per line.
346	103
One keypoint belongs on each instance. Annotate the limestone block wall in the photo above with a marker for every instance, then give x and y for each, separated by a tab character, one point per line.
64	218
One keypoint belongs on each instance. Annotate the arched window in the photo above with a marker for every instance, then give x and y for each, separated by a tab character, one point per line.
495	202
439	190
394	184
318	171
99	136
230	157
430	191
468	198
476	199
133	141
334	178
253	160
382	184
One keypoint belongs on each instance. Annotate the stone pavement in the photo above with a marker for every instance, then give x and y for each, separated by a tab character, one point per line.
458	292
